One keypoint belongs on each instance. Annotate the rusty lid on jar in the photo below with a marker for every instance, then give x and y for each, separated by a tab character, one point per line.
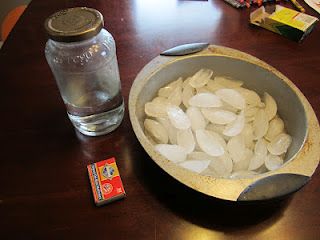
74	24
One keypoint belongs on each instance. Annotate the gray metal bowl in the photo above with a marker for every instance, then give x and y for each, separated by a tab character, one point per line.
300	121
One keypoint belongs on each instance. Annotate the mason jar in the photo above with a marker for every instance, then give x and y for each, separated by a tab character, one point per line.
82	57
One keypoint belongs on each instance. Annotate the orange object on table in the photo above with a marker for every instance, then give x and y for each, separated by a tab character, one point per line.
105	181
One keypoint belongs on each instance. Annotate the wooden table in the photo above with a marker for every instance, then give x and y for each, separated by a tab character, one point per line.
45	192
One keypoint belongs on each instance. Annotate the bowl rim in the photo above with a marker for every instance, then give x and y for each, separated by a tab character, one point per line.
305	160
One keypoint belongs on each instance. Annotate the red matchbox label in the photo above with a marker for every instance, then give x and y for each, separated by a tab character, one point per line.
105	181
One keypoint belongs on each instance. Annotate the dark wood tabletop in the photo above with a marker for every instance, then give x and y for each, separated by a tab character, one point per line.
44	186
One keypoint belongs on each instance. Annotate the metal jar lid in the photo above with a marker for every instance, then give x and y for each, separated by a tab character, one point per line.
74	24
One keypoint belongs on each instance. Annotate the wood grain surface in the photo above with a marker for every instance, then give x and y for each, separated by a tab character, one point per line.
44	190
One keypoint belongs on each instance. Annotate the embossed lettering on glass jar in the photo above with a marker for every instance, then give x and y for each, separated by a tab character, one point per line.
82	57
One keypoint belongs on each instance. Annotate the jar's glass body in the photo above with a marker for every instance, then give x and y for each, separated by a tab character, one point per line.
88	78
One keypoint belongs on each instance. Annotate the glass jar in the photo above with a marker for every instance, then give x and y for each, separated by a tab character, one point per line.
82	57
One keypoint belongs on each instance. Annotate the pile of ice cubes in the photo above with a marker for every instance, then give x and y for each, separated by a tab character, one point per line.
215	126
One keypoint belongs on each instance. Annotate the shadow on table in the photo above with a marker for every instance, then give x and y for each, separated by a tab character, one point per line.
203	210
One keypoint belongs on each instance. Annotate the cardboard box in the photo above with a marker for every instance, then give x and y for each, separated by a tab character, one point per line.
284	21
105	181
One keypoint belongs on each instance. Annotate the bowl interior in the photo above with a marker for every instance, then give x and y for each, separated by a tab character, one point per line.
254	77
